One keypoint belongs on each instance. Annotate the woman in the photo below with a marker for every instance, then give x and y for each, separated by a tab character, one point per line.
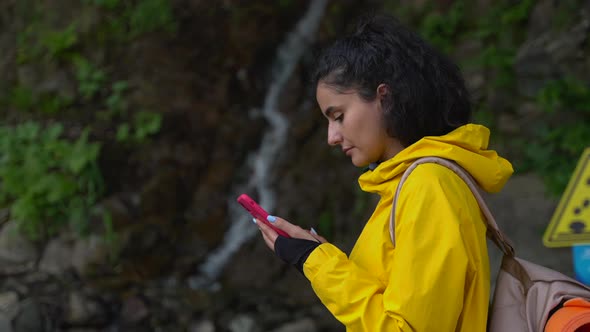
390	99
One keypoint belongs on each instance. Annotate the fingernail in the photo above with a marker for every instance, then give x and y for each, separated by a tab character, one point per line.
254	220
313	231
271	218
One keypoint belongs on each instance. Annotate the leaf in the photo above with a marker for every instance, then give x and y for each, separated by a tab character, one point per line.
82	153
146	123
123	132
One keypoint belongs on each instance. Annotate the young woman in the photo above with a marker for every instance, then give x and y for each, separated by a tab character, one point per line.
390	99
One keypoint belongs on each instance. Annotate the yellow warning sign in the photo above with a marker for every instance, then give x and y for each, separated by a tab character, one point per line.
570	223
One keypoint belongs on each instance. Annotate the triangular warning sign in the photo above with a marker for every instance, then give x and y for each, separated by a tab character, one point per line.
570	223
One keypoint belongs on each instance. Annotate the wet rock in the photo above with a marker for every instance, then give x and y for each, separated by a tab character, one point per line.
254	265
146	251
553	55
8	268
57	257
5	325
47	78
82	310
537	22
4	216
302	325
120	209
243	323
198	300
14	246
32	318
89	252
8	309
202	326
19	285
8	300
160	196
134	310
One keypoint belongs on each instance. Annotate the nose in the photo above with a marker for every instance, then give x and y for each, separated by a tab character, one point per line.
334	135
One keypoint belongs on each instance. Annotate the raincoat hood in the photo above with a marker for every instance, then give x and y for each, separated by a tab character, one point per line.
466	145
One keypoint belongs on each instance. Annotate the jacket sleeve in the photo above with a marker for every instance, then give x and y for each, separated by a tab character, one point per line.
427	271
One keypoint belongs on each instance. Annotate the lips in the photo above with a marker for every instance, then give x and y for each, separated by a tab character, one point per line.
346	150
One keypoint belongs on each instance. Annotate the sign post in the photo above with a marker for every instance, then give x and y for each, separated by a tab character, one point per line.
570	224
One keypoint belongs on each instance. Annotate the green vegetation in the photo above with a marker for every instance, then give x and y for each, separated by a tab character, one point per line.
496	34
116	103
108	4
48	181
130	19
22	98
90	78
50	178
558	145
441	29
57	43
110	237
144	125
38	42
501	31
151	15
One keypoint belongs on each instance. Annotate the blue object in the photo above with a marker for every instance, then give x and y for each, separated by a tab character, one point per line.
581	256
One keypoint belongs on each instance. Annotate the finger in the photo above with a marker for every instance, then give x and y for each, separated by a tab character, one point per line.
293	230
268	241
269	234
321	238
316	236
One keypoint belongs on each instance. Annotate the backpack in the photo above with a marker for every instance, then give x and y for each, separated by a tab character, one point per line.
526	294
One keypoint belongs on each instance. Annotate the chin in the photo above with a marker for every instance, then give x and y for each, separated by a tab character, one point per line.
360	163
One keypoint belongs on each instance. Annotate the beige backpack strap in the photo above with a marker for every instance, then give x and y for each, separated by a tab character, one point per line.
494	232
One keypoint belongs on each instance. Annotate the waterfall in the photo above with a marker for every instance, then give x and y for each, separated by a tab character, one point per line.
261	161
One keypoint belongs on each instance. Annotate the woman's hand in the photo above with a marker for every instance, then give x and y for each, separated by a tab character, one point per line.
294	250
270	235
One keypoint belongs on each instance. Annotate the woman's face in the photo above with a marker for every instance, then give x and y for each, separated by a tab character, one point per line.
357	125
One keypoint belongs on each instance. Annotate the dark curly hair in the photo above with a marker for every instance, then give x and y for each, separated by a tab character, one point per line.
427	94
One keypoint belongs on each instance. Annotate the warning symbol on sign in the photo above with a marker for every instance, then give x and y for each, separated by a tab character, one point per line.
570	223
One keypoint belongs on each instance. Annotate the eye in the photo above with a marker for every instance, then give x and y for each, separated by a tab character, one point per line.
338	117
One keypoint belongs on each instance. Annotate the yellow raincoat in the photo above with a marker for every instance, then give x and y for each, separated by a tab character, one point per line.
437	278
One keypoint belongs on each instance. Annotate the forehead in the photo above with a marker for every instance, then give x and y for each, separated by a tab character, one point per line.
327	94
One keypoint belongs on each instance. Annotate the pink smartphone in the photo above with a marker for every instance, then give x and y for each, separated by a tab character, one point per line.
258	212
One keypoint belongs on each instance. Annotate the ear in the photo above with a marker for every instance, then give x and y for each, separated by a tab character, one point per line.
382	90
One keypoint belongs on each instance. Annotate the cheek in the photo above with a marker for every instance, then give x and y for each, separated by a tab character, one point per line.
370	126
374	135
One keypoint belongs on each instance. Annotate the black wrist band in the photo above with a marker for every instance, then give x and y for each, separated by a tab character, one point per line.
294	251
